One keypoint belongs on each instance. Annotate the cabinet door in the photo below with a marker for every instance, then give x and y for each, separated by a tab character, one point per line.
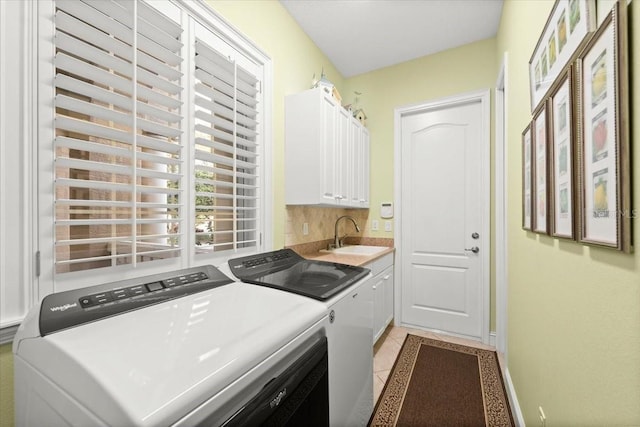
363	173
329	150
359	195
344	171
382	301
378	307
351	358
355	131
387	286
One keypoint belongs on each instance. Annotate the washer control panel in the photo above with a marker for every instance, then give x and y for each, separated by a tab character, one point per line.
259	264
136	290
68	309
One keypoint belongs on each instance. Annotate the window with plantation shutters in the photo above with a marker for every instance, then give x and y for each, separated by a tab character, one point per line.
118	135
138	141
226	153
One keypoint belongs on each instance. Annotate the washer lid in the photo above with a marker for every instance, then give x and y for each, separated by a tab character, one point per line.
153	365
286	270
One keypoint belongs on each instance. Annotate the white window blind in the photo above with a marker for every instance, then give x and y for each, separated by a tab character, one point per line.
118	138
226	153
100	95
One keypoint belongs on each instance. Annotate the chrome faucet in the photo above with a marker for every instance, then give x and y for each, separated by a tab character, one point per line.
336	239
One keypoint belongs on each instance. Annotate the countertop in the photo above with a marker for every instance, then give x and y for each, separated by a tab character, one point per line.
357	260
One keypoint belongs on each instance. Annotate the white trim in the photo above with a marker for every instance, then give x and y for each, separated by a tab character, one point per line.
397	200
501	229
7	333
199	9
513	399
16	164
267	193
492	338
43	131
501	233
484	97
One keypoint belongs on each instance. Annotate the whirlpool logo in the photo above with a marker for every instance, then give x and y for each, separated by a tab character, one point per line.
63	307
276	401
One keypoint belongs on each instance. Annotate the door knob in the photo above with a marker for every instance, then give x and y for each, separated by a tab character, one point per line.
474	249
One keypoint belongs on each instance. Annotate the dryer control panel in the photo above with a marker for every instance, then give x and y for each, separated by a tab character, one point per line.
67	309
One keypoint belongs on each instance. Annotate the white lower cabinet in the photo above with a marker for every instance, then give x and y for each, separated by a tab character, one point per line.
382	286
351	358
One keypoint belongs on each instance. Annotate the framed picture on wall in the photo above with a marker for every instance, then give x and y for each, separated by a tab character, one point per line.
527	220
540	173
564	33
603	145
561	153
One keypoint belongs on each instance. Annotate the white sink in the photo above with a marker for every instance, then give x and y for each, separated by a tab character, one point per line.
357	250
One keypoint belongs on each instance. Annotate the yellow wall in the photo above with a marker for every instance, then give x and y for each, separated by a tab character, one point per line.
574	311
6	386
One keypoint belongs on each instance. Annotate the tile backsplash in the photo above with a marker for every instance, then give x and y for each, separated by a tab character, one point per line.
321	223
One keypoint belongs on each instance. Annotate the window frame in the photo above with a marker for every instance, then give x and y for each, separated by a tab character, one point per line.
17	166
43	130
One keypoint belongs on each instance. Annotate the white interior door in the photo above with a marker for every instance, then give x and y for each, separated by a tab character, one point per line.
444	237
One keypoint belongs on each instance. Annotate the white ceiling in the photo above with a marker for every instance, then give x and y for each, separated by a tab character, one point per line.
359	36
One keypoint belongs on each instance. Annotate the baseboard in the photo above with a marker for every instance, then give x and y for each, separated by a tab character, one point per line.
513	400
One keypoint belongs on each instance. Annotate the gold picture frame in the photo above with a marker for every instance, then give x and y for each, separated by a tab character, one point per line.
561	157
527	179
602	79
565	32
540	169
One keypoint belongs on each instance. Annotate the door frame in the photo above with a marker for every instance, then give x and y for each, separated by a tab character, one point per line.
484	97
501	203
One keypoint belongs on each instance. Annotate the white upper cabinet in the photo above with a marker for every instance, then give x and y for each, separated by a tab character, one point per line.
359	149
326	153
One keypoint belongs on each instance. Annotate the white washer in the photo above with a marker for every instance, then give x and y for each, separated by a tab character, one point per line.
191	358
347	293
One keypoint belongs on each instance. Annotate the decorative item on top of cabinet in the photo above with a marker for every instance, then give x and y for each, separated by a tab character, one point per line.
326	153
357	111
361	116
327	85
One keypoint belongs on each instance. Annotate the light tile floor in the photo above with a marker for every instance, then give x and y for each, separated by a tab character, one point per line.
388	346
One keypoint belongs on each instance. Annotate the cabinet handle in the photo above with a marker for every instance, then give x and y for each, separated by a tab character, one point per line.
354	295
387	277
375	287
